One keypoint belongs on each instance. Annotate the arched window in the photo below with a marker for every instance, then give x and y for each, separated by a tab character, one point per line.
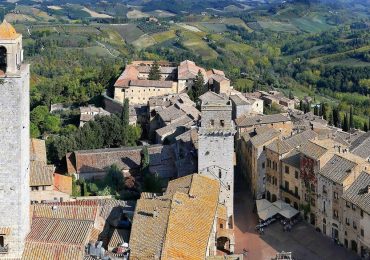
3	59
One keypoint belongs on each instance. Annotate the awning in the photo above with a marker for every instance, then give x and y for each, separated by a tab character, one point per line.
263	204
268	213
288	212
280	204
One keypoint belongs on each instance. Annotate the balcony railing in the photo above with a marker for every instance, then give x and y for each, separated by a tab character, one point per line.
290	192
4	249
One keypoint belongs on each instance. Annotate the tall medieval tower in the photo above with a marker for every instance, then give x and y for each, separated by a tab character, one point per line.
216	149
14	142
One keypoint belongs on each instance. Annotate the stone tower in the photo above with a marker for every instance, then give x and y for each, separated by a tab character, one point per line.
14	142
216	149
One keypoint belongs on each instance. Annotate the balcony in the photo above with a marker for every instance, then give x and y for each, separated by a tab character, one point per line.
4	249
290	192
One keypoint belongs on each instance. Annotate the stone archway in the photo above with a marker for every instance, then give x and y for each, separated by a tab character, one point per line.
3	59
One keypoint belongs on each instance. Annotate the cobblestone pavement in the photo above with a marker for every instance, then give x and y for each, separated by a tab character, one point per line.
303	240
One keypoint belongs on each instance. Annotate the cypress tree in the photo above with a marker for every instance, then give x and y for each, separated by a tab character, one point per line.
125	116
301	105
351	123
198	88
365	127
155	73
323	111
345	123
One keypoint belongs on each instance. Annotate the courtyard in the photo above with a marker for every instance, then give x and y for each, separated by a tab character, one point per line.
303	240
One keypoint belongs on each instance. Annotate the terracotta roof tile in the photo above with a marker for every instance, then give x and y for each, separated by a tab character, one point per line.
37	251
359	192
41	174
38	150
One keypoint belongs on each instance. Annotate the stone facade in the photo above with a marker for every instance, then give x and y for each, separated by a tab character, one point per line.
15	151
216	149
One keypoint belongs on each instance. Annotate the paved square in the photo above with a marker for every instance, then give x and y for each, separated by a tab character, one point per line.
303	240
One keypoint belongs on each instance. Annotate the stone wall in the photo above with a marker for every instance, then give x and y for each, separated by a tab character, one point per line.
15	158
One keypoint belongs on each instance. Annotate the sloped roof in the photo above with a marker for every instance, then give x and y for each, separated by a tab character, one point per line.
37	251
151	83
41	174
247	121
66	231
293	159
178	224
264	137
300	138
337	169
279	146
189	70
359	192
149	228
361	146
76	211
38	150
210	96
312	150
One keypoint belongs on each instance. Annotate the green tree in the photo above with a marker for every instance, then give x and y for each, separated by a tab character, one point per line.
291	96
51	124
125	117
365	127
38	114
345	126
154	73
324	109
198	88
351	123
152	183
34	131
145	160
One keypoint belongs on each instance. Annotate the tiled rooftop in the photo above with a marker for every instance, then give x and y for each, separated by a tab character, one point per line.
359	192
178	224
312	150
337	169
41	174
248	121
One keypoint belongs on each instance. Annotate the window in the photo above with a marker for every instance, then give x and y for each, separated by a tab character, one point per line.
354	225
347	221
228	186
2	243
353	207
296	190
212	122
362	213
335	195
263	165
287	169
222	123
43	187
296	174
324	189
312	201
362	232
219	174
286	185
335	214
221	226
348	205
268	163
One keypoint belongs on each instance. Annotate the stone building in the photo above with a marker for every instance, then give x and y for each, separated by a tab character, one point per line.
252	158
355	229
135	85
280	122
45	184
216	150
332	181
15	145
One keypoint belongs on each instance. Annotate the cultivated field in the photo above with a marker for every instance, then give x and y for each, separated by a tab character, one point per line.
95	14
129	32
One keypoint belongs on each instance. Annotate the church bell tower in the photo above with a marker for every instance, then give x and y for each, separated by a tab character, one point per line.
14	142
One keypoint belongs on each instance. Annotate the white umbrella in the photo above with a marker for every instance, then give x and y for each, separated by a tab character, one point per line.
288	212
263	204
281	204
268	212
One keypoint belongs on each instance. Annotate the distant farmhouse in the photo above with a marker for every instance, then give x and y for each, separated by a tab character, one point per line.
135	85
